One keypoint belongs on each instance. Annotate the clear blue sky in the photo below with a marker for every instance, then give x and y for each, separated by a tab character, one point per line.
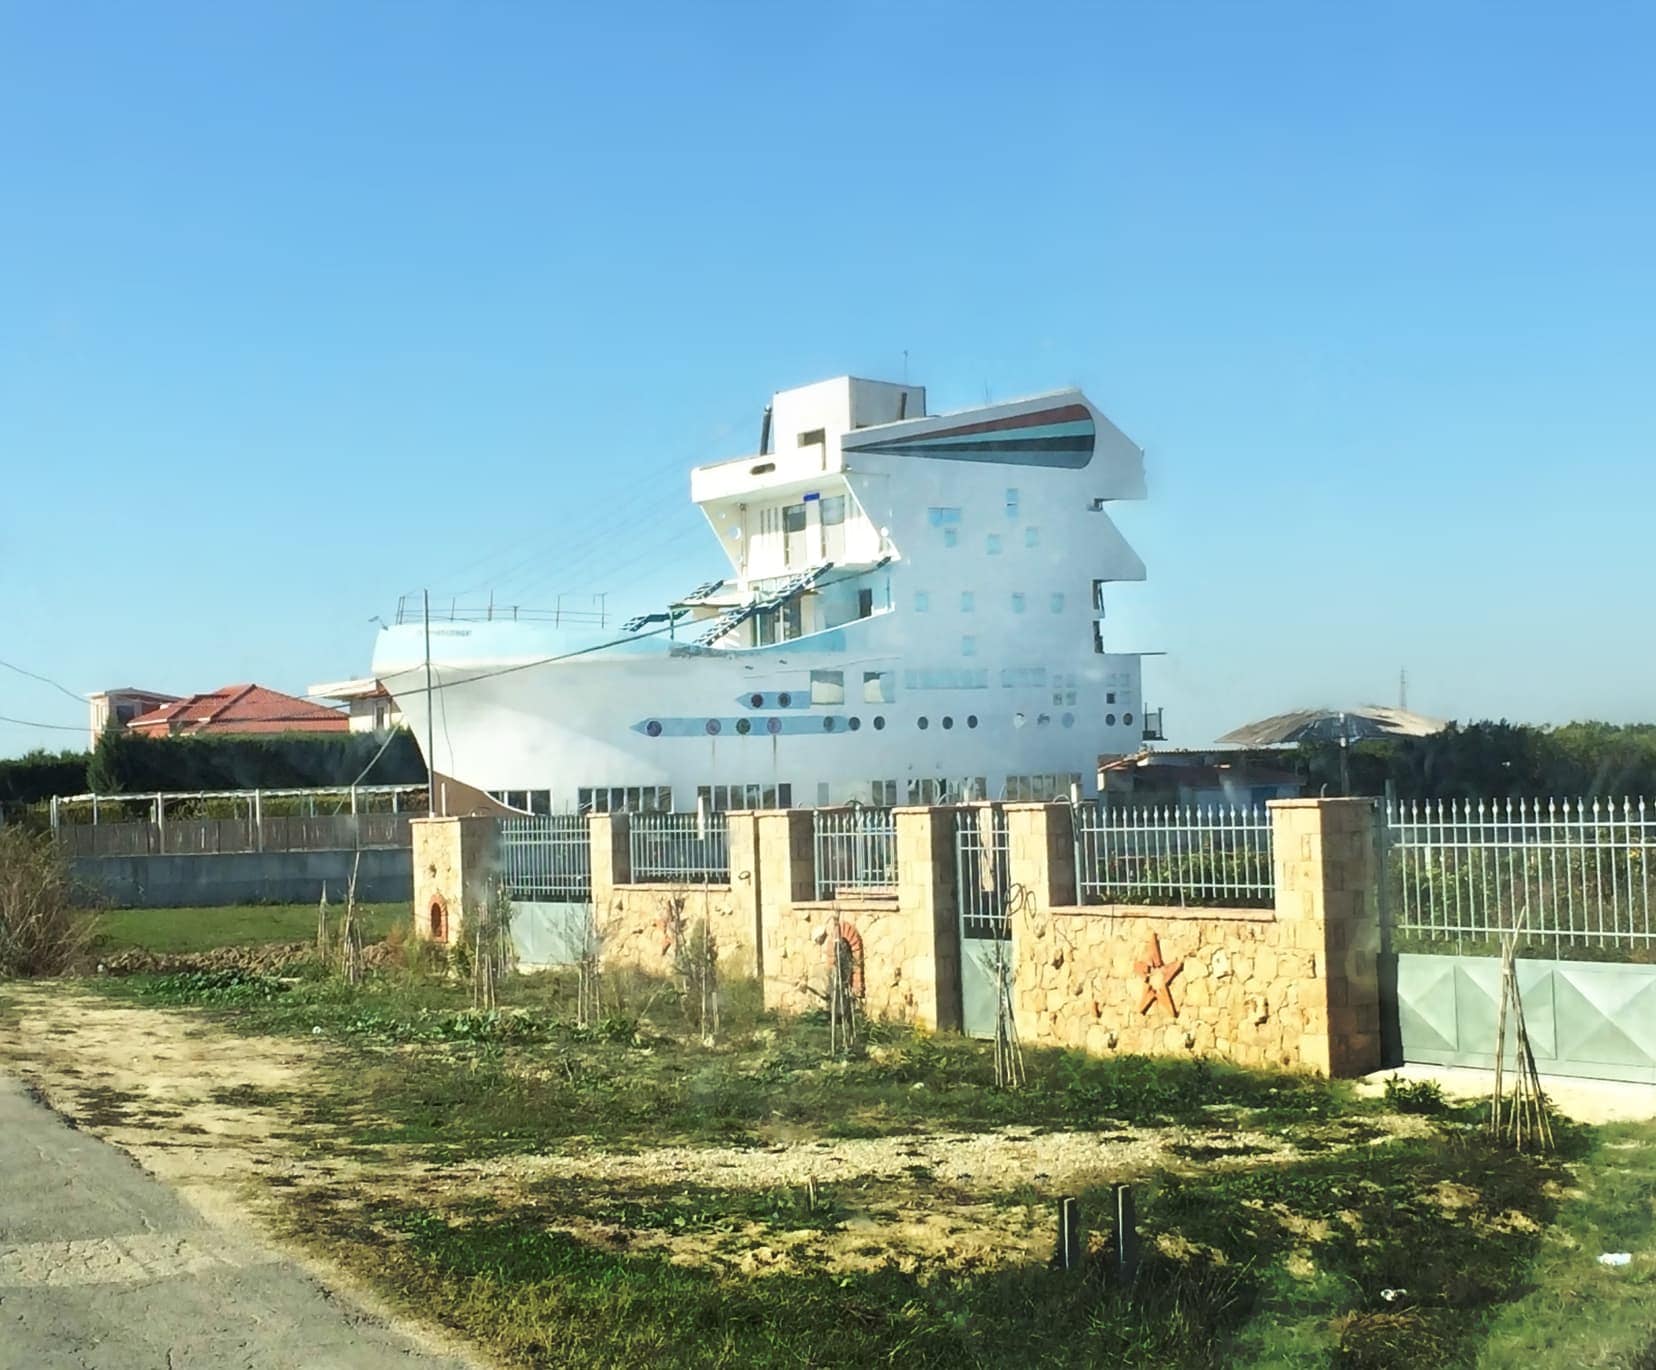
303	305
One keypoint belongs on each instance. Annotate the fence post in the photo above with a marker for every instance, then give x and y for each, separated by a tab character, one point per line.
927	902
258	821
1328	874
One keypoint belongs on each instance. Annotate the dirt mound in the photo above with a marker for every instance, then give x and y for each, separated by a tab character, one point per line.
284	958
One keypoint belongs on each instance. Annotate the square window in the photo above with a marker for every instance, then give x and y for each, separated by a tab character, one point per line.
1017	603
968	646
833	510
922	601
966	601
878	687
992	544
1058	604
1032	536
827	687
951	536
1011	503
810	439
1109	696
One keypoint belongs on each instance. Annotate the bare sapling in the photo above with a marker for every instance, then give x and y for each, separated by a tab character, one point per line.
492	956
350	932
589	971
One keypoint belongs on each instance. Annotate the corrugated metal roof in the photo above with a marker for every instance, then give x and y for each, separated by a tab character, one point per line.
1328	725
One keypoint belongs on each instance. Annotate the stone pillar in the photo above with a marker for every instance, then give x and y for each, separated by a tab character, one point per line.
1327	869
1041	838
611	856
454	861
784	875
928	906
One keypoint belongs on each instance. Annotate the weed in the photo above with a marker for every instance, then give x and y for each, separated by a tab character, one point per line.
1414	1096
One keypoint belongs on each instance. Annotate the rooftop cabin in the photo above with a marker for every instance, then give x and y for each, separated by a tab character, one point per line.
786	511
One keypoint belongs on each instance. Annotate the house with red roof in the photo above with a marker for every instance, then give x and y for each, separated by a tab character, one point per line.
239	709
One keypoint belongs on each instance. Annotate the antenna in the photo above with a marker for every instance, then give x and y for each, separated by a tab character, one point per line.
1403	688
905	366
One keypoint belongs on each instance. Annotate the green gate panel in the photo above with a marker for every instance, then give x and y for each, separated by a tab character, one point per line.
1588	1018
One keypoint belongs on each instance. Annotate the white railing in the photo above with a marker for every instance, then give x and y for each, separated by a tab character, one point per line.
547	857
1173	855
855	849
1573	872
679	846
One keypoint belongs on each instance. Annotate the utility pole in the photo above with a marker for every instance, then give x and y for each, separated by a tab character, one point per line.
431	754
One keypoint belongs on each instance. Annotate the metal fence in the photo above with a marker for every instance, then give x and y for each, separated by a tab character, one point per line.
212	836
1575	873
547	858
1174	855
855	849
983	858
678	846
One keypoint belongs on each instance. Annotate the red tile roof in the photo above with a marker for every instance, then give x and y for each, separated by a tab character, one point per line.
240	709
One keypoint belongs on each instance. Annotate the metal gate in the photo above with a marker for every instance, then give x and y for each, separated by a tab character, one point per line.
982	860
1575	878
546	868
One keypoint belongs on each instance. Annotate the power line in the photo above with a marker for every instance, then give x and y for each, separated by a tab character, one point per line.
45	680
55	727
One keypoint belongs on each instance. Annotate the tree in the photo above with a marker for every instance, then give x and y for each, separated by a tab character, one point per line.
111	766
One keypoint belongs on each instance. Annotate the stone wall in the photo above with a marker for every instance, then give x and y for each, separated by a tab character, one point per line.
634	921
905	946
1292	986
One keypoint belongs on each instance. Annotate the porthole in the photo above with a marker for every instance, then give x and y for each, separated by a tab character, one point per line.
1127	719
712	727
879	722
773	726
1018	720
947	721
756	701
854	724
971	720
653	728
743	726
1043	719
784	699
828	724
1068	720
1109	720
924	722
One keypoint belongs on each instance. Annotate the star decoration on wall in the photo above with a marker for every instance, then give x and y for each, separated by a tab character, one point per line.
1158	977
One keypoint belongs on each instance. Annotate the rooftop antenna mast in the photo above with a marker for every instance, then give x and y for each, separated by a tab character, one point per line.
1403	689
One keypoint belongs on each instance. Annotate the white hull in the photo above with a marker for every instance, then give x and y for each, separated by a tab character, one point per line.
915	607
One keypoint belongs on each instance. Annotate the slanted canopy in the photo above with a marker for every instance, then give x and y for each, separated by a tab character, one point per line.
1330	725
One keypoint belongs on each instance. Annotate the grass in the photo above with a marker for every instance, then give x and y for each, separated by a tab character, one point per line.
1577	1312
236	925
1278	1266
525	1079
1489	1257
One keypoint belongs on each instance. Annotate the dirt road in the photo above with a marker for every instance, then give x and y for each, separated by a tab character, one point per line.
103	1265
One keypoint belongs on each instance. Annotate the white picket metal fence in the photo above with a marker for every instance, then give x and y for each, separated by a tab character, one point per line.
1575	872
1173	855
679	846
855	849
547	857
